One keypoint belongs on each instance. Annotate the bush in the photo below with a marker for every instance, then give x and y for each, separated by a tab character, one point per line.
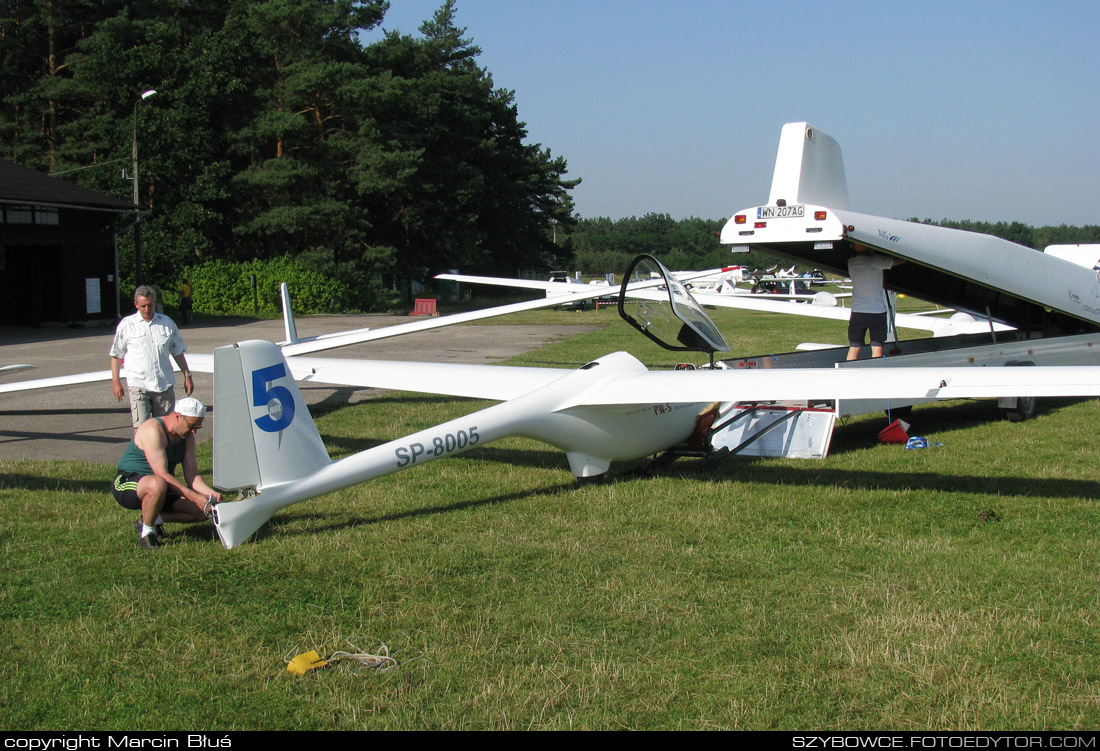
224	288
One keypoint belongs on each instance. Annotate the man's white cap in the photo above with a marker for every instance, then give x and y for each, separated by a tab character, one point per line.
189	406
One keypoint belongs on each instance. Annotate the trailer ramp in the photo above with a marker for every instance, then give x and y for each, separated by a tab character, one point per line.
796	430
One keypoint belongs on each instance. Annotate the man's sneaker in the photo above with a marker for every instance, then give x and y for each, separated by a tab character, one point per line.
149	541
158	527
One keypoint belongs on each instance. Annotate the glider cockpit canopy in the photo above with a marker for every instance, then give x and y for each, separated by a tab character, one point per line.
667	313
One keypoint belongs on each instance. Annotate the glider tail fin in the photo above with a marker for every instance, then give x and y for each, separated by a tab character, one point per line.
809	169
289	329
263	434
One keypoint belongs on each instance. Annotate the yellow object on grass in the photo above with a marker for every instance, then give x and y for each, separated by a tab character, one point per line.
305	662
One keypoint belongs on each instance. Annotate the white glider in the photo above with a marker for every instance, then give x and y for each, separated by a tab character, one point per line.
820	304
613	408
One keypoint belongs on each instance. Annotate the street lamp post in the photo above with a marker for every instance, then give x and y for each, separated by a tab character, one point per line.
138	271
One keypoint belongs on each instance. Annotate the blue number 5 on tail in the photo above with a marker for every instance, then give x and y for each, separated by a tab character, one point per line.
278	400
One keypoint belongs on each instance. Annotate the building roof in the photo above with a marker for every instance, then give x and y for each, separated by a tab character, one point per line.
23	185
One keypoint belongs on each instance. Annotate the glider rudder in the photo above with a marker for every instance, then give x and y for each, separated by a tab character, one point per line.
809	169
263	433
289	329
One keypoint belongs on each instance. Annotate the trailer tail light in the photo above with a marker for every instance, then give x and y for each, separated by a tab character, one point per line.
819	216
760	225
739	219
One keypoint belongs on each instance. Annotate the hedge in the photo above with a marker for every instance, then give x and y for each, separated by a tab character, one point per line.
225	288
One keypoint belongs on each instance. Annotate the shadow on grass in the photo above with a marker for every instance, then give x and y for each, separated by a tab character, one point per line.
809	478
928	419
277	529
200	532
74	413
821	477
737	474
90	436
19	481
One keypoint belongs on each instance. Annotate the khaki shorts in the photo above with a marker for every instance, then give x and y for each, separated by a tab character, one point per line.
146	404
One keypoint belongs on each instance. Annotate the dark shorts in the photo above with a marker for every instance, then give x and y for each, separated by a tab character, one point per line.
124	490
860	323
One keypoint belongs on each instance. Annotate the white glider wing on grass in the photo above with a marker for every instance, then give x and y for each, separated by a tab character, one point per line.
611	409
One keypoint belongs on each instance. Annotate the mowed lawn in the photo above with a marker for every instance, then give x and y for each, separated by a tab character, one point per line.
954	587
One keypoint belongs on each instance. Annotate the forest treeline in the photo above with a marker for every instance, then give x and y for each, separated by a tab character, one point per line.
276	134
602	245
275	131
1023	234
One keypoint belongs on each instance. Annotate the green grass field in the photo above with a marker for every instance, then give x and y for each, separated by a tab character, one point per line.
951	588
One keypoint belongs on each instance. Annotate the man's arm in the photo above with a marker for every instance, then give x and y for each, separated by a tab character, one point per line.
116	384
188	382
118	351
191	473
154	443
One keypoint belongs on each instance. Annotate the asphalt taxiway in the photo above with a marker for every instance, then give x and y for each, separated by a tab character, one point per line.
84	422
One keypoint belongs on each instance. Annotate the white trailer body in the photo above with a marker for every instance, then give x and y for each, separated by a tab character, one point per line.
1052	303
807	219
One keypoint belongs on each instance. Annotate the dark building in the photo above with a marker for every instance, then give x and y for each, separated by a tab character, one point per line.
57	249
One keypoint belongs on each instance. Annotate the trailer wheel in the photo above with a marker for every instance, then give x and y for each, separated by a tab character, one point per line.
1026	408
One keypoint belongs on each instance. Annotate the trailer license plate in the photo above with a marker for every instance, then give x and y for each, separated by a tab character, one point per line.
780	212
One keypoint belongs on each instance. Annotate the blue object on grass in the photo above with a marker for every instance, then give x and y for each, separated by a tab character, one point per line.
916	442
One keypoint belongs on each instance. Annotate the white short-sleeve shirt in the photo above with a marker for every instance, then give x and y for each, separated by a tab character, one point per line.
866	269
145	347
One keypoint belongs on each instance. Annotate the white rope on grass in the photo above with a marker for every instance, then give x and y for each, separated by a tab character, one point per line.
381	662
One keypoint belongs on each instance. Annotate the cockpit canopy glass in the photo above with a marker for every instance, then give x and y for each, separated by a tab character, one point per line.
661	307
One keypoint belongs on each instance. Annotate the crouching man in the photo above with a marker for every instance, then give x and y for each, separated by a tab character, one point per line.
146	478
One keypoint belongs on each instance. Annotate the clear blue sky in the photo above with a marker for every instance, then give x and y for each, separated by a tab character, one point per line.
968	109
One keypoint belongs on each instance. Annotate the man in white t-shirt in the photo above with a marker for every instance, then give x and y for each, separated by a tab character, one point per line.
140	351
868	316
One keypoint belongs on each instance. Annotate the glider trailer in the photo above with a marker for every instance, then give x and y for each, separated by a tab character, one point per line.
1040	309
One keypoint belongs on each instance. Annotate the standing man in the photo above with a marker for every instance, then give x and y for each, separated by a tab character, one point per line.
187	302
868	303
146	478
143	343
